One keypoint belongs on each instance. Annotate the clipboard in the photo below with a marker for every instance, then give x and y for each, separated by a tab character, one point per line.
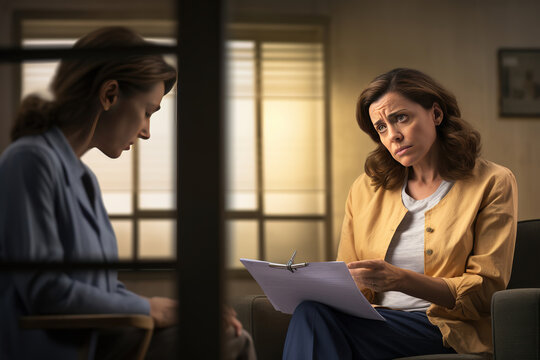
330	283
289	266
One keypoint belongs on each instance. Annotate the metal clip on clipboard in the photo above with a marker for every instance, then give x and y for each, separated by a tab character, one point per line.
289	266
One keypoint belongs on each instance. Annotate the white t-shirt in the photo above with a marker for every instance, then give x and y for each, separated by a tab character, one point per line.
406	249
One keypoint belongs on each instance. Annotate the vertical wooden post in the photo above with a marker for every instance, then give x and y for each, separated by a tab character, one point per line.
200	172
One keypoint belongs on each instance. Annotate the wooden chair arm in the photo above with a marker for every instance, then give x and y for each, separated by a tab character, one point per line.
87	321
93	321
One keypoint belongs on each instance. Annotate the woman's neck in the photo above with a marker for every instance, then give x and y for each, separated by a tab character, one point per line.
80	139
424	175
426	171
421	184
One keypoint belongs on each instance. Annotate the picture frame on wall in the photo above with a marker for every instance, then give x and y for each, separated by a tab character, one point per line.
519	82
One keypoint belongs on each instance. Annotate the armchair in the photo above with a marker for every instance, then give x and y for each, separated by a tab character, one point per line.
515	312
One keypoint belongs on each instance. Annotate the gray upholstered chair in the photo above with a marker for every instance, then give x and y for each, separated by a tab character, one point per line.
515	311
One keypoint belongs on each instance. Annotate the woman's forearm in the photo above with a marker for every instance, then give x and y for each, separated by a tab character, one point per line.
426	287
381	276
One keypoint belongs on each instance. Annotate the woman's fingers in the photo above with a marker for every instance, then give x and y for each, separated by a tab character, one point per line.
377	275
230	318
163	311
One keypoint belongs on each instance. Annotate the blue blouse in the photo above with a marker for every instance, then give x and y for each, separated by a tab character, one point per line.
46	215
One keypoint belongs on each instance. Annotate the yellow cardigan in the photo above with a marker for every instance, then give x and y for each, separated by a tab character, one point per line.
469	240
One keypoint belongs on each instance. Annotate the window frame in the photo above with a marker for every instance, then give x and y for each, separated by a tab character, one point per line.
291	30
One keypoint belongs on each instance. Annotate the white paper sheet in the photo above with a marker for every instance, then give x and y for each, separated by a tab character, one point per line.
329	283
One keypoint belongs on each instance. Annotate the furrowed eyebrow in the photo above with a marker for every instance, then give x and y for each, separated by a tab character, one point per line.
390	116
395	113
376	123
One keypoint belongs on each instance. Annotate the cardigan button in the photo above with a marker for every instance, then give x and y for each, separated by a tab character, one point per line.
430	229
429	252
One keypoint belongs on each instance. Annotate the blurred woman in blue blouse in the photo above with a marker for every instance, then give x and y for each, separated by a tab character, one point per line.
51	208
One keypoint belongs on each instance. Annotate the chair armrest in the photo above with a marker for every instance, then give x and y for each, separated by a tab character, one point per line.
516	324
87	321
267	326
93	322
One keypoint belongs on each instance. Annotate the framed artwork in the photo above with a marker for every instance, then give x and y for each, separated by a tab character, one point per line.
519	82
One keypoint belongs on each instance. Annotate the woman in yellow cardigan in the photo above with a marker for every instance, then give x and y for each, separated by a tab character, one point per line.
428	234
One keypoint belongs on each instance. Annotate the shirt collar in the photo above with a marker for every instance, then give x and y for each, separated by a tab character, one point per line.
71	163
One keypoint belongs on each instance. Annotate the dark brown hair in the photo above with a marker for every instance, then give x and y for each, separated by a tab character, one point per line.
76	84
458	143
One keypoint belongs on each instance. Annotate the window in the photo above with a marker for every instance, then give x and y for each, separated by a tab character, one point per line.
277	183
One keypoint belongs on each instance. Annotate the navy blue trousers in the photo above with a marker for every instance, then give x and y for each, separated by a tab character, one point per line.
317	331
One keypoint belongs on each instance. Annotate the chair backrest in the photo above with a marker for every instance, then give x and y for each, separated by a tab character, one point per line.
526	268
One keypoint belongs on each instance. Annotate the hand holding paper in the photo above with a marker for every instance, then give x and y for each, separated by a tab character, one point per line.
375	274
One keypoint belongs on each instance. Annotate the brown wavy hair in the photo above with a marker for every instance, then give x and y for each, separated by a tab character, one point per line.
458	142
76	83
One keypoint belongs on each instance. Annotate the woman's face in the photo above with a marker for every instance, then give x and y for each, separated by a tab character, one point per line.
127	120
405	128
